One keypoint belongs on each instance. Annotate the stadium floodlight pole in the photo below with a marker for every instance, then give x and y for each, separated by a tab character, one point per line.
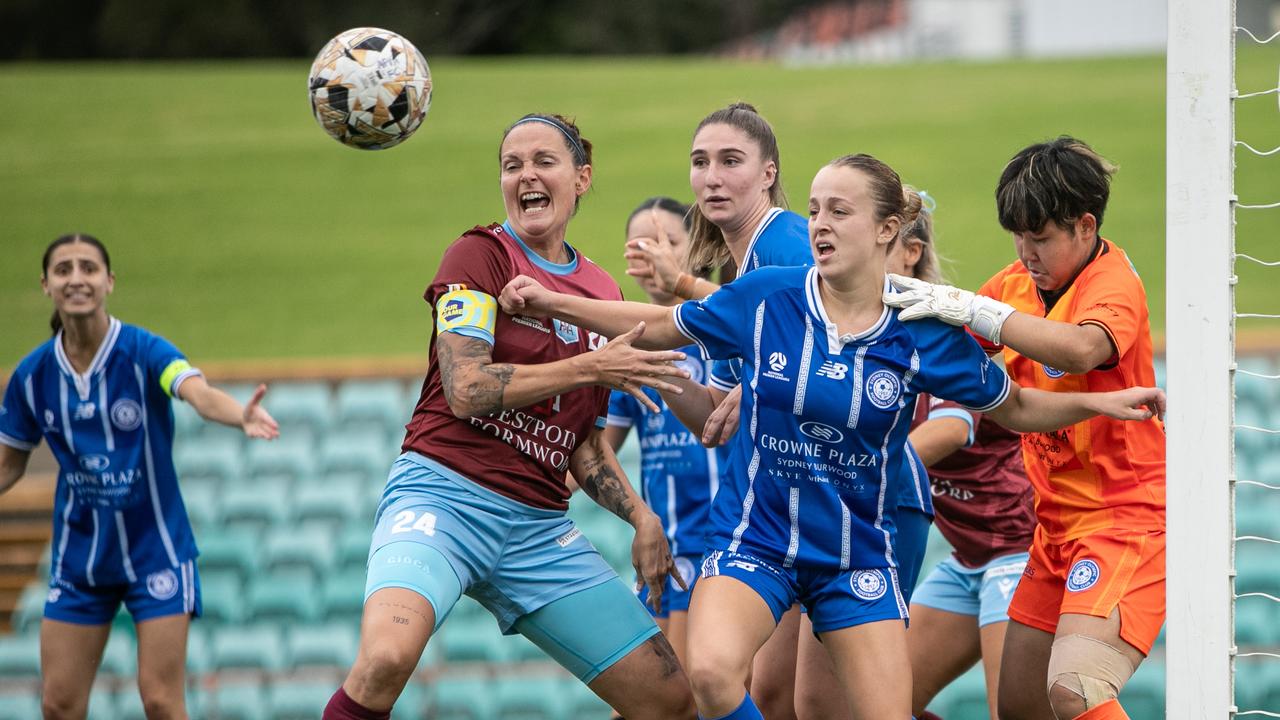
1199	354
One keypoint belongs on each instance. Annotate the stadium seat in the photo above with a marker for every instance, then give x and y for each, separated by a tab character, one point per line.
581	703
300	408
363	453
228	552
201	501
120	656
291	457
19	656
1256	567
129	704
198	648
1143	695
518	648
19	706
1258	519
1267	470
965	698
462	642
330	645
299	701
330	505
373	404
284	599
1257	622
26	616
1252	441
286	549
208	461
464	699
237	701
253	647
221	598
412	703
353	548
1253	389
1257	684
102	705
253	506
530	699
342	595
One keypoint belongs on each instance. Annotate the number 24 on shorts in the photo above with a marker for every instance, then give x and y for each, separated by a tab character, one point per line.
426	523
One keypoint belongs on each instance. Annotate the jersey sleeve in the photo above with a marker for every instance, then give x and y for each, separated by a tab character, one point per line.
464	292
622	409
939	408
725	375
19	428
1114	300
720	323
167	365
789	247
954	367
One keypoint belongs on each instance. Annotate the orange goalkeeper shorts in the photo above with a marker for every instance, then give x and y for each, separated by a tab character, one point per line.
1094	575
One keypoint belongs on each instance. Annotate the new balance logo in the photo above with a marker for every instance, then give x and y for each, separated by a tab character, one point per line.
833	370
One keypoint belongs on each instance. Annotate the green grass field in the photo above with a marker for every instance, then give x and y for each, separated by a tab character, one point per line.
240	231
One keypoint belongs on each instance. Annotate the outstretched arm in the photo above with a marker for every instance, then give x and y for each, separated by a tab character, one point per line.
474	385
1075	349
13	465
217	406
611	318
596	469
1031	410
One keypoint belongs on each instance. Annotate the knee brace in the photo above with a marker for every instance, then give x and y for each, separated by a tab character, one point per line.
1088	667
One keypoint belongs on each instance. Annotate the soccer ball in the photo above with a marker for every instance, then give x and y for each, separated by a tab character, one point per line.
370	88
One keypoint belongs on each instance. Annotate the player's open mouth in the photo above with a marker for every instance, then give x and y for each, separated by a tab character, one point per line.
823	249
532	202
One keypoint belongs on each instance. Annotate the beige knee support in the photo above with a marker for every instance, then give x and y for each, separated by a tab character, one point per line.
1088	667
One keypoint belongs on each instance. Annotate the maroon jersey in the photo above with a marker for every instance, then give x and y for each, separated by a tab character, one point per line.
521	453
983	501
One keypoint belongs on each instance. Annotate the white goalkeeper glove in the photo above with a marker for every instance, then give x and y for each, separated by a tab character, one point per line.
919	299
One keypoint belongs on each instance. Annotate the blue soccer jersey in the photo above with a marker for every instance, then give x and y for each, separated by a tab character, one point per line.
678	476
826	417
118	515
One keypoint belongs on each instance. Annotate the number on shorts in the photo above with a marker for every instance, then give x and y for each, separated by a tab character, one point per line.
426	524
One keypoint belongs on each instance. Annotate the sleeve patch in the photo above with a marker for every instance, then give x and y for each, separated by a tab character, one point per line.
460	310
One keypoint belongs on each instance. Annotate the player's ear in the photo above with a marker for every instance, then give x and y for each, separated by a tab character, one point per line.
1087	225
583	182
888	230
770	174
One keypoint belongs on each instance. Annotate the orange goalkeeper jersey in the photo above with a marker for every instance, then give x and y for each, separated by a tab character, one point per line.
1100	473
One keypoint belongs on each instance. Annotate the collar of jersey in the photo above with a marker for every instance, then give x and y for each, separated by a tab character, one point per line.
836	341
751	246
99	358
536	259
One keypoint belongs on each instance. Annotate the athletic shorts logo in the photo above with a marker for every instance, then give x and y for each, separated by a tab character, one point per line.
94	463
868	584
567	333
126	414
818	431
883	389
686	571
162	585
54	594
565	539
1084	575
1054	372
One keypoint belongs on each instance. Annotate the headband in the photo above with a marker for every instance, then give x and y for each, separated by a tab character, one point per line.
579	155
927	201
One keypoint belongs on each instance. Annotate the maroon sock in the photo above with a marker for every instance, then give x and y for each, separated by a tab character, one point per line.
926	715
342	707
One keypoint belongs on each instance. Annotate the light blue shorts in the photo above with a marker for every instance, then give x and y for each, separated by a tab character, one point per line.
984	591
673	598
530	567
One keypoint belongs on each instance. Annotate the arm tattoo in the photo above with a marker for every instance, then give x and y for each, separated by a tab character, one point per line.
604	486
666	655
484	383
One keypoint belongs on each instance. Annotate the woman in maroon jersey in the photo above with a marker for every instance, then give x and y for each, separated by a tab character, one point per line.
476	502
983	505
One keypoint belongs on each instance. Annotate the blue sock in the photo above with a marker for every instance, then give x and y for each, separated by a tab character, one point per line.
747	710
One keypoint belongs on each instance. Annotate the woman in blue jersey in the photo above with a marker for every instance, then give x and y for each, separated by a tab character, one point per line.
830	376
678	476
99	393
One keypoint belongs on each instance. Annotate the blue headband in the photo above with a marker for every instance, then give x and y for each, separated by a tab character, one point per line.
930	204
579	155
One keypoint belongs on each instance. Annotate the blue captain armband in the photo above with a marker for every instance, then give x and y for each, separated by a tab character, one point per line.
467	312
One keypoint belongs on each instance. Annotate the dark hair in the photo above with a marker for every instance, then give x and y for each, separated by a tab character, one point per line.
55	322
706	241
662	202
1060	180
579	147
886	189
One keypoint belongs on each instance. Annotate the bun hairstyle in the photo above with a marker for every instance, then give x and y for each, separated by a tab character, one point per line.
920	232
707	248
55	322
578	146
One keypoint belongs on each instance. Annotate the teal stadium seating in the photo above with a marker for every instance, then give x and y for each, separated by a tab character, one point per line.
374	404
20	656
303	409
361	452
963	699
120	656
249	508
1143	695
237	701
329	645
582	704
332	505
236	553
26	617
283	599
250	647
539	698
289	456
15	706
288	549
463	698
208	461
298	701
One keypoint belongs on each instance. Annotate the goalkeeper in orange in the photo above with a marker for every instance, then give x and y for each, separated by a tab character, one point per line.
1070	315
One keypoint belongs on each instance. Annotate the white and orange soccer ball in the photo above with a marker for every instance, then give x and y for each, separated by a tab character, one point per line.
370	88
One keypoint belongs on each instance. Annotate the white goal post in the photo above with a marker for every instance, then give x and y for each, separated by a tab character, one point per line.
1199	356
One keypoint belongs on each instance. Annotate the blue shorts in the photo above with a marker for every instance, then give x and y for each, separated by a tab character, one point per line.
834	599
157	594
530	567
909	546
673	598
984	591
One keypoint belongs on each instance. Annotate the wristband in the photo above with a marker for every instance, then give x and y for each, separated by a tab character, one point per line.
988	317
684	286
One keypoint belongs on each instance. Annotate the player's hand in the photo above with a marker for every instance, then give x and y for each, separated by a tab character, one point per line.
653	259
1135	403
256	421
722	423
525	296
920	299
622	366
651	558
